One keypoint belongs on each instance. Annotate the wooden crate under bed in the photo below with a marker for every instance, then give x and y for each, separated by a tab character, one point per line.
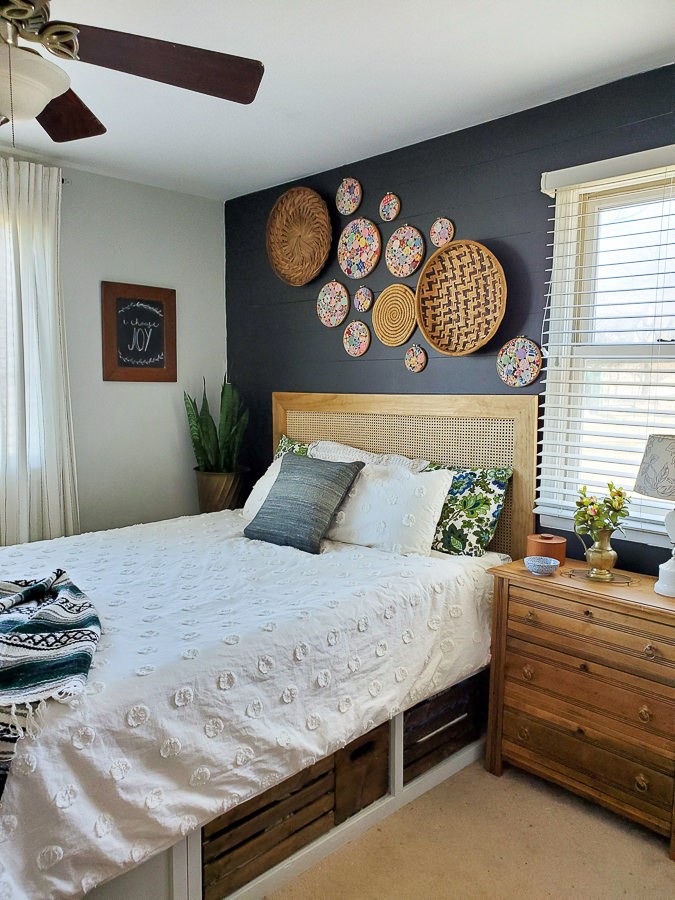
256	835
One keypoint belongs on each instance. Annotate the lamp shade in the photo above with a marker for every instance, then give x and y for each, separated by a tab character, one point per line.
33	83
656	476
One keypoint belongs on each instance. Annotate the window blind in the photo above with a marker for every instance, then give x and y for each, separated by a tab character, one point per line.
609	340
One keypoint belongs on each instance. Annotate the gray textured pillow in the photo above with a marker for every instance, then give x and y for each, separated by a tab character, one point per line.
302	501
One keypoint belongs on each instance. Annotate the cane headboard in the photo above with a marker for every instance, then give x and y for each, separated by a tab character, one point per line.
466	430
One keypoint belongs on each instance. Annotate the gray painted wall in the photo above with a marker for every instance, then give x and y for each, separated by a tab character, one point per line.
134	459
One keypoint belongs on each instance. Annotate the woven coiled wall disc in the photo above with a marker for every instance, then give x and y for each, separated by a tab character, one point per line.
460	298
298	236
394	315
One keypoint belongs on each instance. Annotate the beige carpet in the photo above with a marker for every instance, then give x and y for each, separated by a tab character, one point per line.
477	836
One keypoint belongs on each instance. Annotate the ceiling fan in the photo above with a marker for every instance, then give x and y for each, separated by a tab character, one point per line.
65	117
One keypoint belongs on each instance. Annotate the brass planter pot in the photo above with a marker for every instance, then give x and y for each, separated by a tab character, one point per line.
218	490
600	556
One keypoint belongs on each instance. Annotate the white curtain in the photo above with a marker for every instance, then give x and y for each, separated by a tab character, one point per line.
38	493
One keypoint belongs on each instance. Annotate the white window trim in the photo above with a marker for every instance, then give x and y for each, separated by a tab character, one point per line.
579	182
646	161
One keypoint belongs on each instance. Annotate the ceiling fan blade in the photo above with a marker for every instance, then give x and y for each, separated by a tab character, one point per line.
205	71
67	118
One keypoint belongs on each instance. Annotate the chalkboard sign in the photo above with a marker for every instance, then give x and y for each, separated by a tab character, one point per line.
139	332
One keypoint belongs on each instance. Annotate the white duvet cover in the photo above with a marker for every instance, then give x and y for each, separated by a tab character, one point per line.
225	666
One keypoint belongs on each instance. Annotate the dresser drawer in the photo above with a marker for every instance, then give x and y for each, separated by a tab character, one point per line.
576	680
619	776
646	655
592	611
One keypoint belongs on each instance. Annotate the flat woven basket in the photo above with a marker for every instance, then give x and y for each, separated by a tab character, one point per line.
394	315
460	298
298	236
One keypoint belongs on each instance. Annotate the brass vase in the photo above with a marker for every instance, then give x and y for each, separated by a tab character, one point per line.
600	556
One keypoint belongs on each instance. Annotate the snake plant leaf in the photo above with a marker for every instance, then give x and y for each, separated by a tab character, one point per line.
209	434
217	449
195	431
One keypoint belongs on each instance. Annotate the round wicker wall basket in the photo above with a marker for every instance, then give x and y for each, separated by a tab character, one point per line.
394	315
460	298
298	236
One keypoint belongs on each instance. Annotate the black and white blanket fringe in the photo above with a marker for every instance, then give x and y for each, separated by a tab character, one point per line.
49	631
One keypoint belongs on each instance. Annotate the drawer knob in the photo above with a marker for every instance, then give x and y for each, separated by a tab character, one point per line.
649	651
644	714
528	673
641	783
524	733
588	613
583	667
531	616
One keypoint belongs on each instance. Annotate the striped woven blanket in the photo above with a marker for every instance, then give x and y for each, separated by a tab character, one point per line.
49	631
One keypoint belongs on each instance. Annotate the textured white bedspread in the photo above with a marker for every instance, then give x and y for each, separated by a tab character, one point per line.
225	666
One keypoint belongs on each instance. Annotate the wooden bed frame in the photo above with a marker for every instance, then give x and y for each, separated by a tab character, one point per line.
332	802
465	430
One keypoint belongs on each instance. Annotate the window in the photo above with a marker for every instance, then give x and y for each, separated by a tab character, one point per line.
609	336
38	498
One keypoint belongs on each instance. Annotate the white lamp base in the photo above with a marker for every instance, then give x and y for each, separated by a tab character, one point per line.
666	582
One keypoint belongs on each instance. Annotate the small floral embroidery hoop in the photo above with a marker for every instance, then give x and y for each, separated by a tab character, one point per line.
519	362
348	197
363	299
332	304
390	207
356	338
415	359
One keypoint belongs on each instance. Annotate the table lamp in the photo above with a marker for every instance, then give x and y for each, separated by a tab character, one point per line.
656	478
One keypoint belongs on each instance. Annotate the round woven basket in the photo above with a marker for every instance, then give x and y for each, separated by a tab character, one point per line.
460	298
298	236
394	315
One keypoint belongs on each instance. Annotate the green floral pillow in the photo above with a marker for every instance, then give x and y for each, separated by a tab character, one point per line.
471	510
288	445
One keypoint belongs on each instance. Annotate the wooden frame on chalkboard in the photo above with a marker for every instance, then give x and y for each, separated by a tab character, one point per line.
139	332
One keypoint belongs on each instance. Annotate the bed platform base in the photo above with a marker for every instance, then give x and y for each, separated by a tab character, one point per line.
314	810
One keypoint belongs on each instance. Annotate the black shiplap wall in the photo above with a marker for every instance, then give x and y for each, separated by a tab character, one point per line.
487	180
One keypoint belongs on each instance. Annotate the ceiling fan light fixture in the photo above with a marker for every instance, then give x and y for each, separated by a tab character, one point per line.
33	84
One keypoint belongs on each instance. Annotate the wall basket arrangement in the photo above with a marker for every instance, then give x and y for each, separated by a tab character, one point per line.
394	315
460	298
298	236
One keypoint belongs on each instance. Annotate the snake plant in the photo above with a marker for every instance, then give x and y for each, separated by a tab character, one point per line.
217	448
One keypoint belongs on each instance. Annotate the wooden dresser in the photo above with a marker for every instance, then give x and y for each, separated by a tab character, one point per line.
582	688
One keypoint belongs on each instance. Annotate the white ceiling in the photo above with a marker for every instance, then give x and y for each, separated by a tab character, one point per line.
344	80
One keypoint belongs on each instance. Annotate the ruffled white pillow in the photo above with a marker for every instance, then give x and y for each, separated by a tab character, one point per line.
391	508
335	452
260	490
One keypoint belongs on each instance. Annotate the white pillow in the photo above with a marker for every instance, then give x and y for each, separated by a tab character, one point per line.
335	452
260	490
392	509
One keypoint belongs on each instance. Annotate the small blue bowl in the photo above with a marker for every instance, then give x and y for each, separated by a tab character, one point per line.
541	565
